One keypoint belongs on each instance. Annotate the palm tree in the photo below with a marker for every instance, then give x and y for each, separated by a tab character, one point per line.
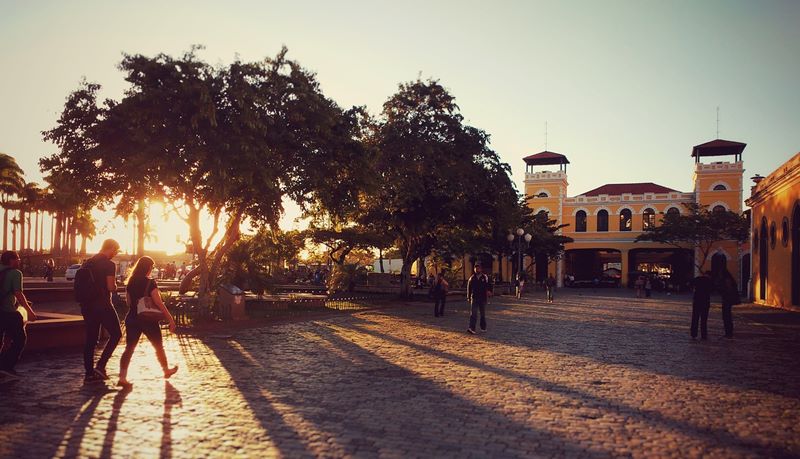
11	184
84	226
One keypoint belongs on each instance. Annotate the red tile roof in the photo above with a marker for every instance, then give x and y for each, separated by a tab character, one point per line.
718	147
632	188
545	158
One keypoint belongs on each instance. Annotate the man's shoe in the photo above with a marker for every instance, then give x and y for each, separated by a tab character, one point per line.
101	373
471	331
9	374
92	378
483	329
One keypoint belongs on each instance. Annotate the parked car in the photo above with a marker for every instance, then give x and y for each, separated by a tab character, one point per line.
70	272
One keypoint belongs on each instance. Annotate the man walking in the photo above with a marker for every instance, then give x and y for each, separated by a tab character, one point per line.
479	289
701	302
730	296
12	323
99	311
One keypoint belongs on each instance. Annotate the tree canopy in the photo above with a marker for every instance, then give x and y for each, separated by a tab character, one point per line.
699	228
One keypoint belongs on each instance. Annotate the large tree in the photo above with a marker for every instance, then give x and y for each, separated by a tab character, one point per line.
698	228
228	142
433	171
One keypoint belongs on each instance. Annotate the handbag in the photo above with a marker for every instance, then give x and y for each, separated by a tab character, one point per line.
146	309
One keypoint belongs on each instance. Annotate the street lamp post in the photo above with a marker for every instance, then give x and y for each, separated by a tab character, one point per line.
520	236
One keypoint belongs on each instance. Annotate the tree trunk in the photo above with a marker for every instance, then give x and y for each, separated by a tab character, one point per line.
73	238
141	228
22	230
36	234
380	259
5	229
83	245
52	232
55	243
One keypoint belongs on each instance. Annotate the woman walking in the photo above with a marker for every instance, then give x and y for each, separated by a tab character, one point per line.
140	285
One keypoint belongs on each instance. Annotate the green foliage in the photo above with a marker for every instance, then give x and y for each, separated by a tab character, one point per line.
438	177
699	228
345	277
228	141
254	262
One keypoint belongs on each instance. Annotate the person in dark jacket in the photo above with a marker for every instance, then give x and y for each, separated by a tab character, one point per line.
479	289
439	289
727	288
701	302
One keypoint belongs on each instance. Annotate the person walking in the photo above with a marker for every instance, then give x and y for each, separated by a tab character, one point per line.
479	289
648	287
639	285
550	286
49	268
139	285
439	294
701	302
729	291
99	311
12	322
520	283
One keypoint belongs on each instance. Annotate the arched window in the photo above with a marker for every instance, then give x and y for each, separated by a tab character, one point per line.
542	195
625	220
580	221
602	220
785	232
648	218
719	208
720	187
673	211
772	235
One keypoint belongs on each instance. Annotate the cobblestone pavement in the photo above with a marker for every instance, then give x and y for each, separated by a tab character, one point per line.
587	376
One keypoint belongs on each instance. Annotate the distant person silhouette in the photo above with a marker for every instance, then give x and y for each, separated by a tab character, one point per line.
727	288
479	289
550	286
701	302
439	293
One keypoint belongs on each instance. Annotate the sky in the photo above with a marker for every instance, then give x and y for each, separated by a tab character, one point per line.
626	88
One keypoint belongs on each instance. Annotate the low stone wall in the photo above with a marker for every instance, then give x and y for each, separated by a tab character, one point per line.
55	331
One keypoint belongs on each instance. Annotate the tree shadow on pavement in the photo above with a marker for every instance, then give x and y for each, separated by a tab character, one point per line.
659	344
585	399
317	393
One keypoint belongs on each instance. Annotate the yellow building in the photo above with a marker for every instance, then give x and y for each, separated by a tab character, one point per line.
775	233
605	221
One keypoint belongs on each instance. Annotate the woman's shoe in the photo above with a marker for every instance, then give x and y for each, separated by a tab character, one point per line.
170	371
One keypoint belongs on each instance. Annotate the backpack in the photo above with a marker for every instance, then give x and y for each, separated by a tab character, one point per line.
85	287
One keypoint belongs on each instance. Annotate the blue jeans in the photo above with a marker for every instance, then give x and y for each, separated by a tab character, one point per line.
478	305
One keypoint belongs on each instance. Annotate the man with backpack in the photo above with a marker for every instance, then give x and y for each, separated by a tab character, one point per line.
12	322
95	281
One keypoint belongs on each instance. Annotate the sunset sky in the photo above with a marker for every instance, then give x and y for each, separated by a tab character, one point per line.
625	87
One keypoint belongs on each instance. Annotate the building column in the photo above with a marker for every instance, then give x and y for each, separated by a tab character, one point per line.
560	272
625	268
